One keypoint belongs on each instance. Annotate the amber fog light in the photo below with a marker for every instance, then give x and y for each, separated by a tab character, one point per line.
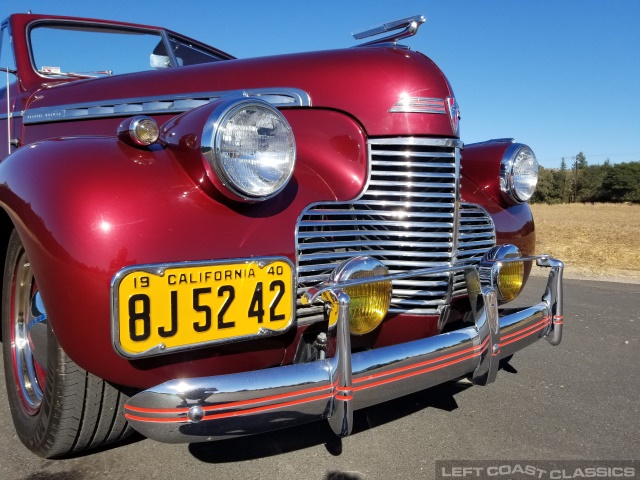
510	280
500	269
139	130
369	302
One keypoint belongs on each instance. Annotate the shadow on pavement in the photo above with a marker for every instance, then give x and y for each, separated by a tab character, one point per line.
300	437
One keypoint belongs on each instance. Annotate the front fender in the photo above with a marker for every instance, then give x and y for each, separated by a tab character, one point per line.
481	164
87	207
513	223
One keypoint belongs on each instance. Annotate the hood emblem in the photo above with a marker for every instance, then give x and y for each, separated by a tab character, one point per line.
408	104
454	115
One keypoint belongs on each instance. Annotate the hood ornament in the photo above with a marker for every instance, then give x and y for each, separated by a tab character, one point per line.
410	26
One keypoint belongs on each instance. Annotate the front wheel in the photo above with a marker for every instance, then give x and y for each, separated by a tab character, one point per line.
57	407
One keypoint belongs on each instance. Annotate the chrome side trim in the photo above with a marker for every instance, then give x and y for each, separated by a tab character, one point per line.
168	104
225	406
4	116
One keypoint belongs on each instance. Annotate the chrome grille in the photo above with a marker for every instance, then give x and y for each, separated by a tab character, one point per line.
476	235
406	218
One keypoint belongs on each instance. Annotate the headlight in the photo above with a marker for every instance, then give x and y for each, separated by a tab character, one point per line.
518	173
249	147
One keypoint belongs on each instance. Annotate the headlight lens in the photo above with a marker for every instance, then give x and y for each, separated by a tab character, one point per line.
251	149
518	173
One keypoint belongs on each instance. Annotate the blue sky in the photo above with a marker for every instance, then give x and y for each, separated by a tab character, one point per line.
561	76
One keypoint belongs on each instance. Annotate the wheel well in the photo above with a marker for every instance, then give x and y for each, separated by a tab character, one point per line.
6	227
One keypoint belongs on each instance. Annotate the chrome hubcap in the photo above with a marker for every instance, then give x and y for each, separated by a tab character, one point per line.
29	337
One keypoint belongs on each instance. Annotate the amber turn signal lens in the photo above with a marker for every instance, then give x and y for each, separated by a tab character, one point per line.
145	131
139	131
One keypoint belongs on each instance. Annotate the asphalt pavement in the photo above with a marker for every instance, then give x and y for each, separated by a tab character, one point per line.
577	401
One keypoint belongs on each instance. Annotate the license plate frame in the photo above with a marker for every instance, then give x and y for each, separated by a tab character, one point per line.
217	291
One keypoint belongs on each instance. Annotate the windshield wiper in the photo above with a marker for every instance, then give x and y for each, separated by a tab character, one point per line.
96	74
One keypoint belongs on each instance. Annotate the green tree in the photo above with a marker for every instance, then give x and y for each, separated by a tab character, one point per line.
621	183
590	183
545	190
561	183
579	162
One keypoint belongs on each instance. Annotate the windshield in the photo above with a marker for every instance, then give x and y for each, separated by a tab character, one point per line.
89	50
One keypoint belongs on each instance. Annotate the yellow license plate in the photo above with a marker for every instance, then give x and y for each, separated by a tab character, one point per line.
164	308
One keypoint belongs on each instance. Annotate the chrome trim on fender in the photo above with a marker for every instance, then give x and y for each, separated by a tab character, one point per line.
225	406
168	104
4	116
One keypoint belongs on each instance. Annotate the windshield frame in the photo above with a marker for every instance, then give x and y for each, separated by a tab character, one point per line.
164	35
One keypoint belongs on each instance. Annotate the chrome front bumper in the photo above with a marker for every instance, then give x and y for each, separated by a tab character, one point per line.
225	406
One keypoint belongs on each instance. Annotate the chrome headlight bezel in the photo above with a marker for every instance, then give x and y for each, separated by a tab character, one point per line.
518	173
218	159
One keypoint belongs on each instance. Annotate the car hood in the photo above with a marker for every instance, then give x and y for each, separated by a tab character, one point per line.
362	82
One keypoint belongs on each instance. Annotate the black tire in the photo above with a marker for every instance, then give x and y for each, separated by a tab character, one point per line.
61	409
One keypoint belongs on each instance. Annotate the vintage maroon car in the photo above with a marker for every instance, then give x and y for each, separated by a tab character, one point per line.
200	247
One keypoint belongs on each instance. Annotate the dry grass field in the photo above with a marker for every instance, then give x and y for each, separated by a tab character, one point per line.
595	240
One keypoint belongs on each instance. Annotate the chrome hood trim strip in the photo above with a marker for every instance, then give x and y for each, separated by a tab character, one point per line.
419	105
168	104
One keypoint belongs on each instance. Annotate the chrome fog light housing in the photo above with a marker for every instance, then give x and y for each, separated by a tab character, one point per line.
501	270
369	303
249	149
518	173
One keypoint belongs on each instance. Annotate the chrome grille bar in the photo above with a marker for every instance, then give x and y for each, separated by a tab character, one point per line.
406	218
476	236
